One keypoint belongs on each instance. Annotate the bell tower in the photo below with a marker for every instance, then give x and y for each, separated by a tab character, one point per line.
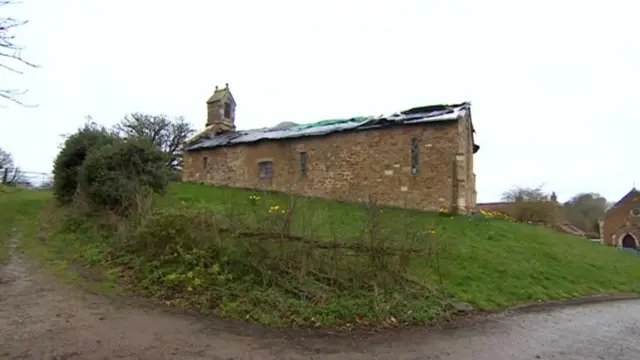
221	111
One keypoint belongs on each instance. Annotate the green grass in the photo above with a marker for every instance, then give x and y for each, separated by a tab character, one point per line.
488	263
21	216
17	207
180	256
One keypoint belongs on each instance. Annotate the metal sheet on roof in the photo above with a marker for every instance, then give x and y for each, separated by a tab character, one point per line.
426	114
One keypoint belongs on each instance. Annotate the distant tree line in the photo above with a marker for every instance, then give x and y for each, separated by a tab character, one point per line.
583	210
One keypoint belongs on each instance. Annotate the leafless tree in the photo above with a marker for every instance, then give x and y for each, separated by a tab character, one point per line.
168	134
525	194
14	176
6	159
9	173
10	53
531	204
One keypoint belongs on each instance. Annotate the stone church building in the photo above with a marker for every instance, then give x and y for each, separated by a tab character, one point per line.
419	158
620	225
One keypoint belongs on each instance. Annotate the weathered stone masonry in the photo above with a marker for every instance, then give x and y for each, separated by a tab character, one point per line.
423	166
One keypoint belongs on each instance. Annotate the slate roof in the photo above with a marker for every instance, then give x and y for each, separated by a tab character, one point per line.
630	194
423	114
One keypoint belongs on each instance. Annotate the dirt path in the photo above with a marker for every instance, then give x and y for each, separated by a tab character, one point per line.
43	319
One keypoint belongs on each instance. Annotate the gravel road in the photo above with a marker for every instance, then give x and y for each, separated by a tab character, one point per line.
41	318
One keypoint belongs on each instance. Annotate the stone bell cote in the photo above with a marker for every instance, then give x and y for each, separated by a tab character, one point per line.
221	111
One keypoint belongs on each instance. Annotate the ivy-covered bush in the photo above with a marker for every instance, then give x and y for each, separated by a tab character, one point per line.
75	149
116	176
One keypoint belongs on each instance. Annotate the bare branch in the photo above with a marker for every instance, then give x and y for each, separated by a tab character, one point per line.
16	56
525	194
11	52
11	69
11	96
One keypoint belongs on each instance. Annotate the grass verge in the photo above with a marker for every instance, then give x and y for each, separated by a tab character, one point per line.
17	208
235	253
25	215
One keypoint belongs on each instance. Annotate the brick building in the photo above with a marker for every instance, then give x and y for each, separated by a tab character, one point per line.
620	225
419	158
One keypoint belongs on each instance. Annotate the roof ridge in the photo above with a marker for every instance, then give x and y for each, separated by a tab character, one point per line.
424	114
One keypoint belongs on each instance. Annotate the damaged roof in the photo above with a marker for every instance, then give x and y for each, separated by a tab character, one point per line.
418	115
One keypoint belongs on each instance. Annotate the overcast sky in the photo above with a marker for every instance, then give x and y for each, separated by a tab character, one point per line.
553	84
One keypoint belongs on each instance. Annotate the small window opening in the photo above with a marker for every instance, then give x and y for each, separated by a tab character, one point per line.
205	162
227	110
635	212
265	170
303	163
415	150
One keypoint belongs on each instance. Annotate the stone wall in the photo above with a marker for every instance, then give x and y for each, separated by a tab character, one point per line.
351	166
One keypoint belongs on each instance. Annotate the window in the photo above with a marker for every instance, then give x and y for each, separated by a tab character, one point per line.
415	150
205	161
303	163
227	110
635	212
265	170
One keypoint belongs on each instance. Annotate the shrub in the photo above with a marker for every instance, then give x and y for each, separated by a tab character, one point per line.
75	149
164	230
116	176
536	212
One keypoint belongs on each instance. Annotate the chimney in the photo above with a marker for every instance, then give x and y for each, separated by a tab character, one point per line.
554	198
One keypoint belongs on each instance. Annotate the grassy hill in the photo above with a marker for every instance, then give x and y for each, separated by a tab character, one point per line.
284	260
489	263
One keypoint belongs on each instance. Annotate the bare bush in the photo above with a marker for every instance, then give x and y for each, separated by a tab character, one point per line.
531	205
525	194
270	241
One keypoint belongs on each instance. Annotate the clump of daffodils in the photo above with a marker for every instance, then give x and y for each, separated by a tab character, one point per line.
276	209
444	211
496	215
253	199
